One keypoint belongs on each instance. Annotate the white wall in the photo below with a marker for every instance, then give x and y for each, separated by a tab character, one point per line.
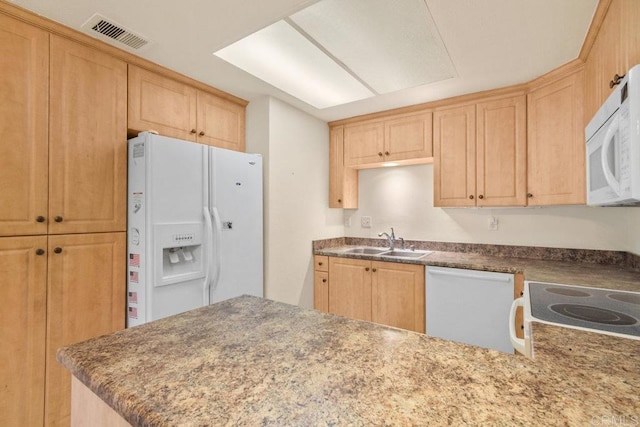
296	156
402	197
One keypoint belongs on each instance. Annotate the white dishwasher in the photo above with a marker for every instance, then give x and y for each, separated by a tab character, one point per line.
469	306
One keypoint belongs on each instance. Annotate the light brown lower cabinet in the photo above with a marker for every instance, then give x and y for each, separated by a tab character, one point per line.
383	292
56	290
85	299
23	292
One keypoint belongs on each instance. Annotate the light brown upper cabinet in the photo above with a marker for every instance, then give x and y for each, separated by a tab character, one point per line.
87	140
501	152
555	143
85	299
24	107
404	138
23	291
221	123
480	154
454	149
343	181
175	109
615	50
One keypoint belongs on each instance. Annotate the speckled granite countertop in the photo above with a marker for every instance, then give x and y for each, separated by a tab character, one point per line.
578	271
250	361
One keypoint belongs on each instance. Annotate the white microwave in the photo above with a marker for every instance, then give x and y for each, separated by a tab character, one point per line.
613	146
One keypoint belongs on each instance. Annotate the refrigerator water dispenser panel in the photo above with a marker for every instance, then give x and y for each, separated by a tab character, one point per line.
180	253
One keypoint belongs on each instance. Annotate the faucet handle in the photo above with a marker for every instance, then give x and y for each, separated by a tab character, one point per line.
401	241
393	235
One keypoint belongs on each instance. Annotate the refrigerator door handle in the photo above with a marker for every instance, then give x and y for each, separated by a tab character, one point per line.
218	243
208	238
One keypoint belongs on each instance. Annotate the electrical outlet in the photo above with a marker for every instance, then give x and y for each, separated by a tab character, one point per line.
493	223
365	222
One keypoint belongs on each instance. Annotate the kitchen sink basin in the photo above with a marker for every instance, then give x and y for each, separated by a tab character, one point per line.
401	253
366	251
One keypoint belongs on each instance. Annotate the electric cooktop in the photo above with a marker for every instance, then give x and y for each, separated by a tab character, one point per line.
589	308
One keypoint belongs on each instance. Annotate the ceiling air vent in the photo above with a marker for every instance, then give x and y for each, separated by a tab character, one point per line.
99	26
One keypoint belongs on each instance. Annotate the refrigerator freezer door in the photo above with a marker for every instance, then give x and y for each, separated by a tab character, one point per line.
168	179
236	203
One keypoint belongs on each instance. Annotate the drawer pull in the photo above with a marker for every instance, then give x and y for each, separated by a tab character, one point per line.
39	251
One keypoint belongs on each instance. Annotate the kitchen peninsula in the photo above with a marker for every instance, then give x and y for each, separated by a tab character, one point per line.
252	361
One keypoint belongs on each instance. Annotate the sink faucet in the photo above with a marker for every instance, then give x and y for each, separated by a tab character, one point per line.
391	238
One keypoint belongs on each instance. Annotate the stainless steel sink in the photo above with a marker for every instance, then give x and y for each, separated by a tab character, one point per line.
366	251
402	253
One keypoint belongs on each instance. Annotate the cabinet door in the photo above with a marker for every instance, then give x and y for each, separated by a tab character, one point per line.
350	288
24	89
555	143
321	291
454	149
408	137
398	295
87	141
161	104
608	56
502	152
343	181
23	294
363	143
85	299
220	123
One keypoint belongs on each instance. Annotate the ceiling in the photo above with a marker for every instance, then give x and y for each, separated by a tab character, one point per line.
492	43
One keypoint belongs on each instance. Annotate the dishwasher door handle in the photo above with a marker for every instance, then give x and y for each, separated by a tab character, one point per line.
465	275
518	343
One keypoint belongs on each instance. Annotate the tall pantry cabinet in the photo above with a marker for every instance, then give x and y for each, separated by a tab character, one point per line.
62	212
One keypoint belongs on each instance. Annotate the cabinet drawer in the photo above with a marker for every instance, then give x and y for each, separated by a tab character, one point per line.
321	263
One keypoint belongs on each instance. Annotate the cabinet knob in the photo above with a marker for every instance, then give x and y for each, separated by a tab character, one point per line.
386	153
380	153
366	269
339	200
471	196
320	263
481	197
40	218
324	280
39	251
193	131
616	80
374	270
57	250
529	195
58	219
201	133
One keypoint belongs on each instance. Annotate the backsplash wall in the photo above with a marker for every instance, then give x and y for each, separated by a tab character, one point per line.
402	197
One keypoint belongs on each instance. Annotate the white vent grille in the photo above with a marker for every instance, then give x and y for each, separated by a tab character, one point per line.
106	29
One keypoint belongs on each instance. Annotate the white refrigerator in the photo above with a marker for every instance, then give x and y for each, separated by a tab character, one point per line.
194	226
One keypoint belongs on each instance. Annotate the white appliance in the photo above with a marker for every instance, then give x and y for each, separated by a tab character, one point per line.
195	226
613	146
602	311
469	306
